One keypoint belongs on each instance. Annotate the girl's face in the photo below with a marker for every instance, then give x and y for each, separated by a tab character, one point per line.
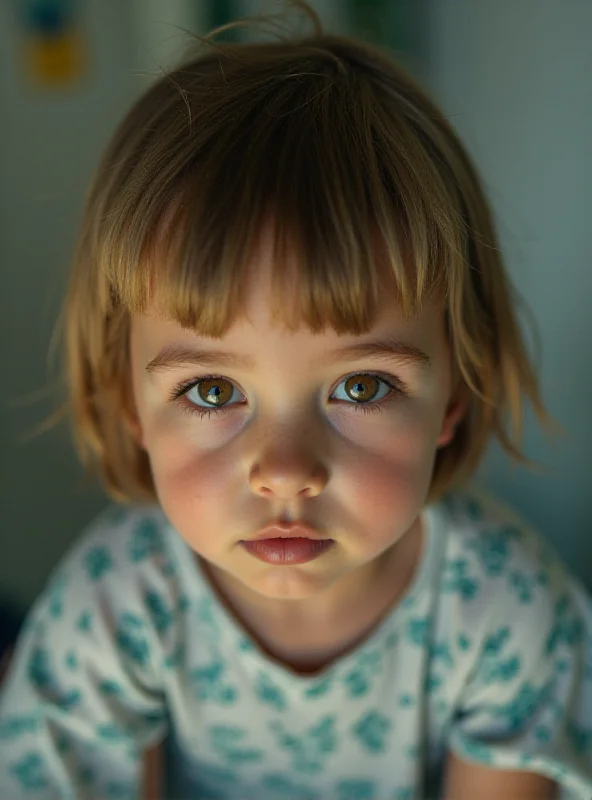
289	441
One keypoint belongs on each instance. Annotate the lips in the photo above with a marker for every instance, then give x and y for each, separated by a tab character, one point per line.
294	530
289	551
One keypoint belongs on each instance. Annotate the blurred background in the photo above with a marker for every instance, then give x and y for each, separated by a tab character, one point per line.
514	77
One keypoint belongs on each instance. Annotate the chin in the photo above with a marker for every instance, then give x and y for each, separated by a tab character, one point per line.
287	583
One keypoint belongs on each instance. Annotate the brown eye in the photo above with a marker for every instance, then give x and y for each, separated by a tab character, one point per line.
213	391
210	395
362	388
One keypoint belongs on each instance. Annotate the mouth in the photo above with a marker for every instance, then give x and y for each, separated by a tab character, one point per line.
287	550
291	531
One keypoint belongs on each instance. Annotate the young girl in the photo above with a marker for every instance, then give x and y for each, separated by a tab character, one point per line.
289	338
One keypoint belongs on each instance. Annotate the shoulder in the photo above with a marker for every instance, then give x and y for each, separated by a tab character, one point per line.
521	684
493	537
123	569
499	571
121	541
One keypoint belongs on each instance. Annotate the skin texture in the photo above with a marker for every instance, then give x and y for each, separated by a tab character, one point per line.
292	447
474	782
153	772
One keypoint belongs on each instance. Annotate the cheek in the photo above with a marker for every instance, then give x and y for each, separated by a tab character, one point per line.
186	468
194	488
393	475
385	483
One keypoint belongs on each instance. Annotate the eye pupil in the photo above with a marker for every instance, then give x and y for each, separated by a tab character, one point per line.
359	389
211	392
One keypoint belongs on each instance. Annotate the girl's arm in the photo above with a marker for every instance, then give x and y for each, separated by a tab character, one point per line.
466	781
153	767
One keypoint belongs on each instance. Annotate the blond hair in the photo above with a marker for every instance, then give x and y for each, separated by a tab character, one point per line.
338	142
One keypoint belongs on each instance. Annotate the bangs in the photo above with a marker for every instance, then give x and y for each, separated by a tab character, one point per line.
348	182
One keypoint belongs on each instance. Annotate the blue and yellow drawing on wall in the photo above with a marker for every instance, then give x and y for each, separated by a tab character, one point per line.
54	48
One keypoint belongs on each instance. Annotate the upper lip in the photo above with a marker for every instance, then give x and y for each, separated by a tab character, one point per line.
290	530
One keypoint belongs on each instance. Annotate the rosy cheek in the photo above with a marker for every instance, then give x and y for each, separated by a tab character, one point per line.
186	472
389	477
380	484
194	494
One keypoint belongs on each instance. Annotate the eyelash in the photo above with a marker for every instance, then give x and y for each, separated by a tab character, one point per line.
396	387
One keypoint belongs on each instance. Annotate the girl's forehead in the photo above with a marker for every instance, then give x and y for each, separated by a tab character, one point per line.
262	267
256	331
270	292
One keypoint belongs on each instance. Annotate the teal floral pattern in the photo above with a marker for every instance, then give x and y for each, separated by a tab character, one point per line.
99	562
209	683
320	687
84	622
229	742
522	707
17	725
282	786
357	790
459	581
418	631
580	737
406	700
146	541
71	661
56	595
174	659
372	731
358	681
568	626
161	615
523	586
269	693
30	772
130	638
111	732
496	664
110	688
476	751
404	793
493	550
308	751
119	791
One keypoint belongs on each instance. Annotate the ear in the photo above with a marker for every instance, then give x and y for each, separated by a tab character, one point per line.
131	422
456	410
136	431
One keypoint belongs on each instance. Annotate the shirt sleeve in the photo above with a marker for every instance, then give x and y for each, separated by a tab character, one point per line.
527	703
82	698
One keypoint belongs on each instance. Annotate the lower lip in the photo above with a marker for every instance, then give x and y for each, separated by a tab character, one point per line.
287	551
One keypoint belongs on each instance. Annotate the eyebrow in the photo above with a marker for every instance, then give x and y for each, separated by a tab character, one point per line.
385	349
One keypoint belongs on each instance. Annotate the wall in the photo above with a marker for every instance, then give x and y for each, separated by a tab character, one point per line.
49	144
515	79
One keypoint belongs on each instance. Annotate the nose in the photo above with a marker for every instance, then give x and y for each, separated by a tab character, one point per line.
288	467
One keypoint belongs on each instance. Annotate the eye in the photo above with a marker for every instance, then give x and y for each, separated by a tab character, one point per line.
213	390
361	388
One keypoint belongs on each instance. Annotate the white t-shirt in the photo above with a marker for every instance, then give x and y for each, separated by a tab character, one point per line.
488	654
